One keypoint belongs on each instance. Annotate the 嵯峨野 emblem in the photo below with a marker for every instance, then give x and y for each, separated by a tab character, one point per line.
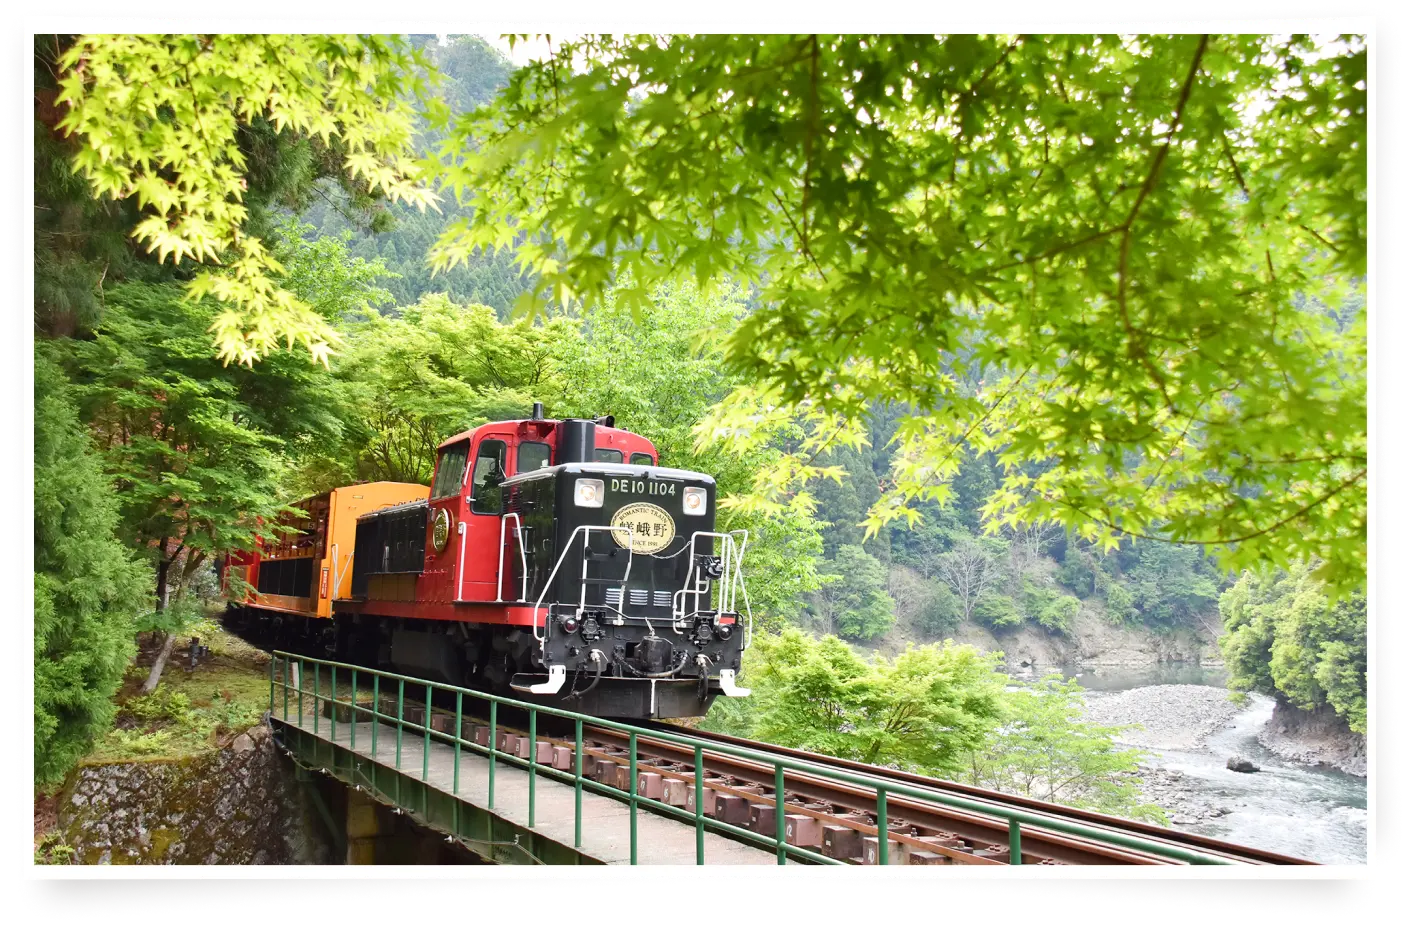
440	533
651	527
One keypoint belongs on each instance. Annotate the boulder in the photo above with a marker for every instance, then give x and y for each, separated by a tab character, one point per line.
242	743
1242	764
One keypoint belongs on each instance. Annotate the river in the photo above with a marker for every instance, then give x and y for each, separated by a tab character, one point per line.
1306	811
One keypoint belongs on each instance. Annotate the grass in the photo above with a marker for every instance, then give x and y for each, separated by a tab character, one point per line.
192	711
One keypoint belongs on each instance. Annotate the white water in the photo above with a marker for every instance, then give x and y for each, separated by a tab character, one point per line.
1310	812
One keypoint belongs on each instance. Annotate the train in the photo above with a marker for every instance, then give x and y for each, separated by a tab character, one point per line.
553	560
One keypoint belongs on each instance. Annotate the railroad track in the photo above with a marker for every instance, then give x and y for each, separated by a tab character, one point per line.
838	819
833	818
975	828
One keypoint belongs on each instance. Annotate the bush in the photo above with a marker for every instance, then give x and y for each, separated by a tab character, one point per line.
161	705
1119	604
940	613
87	586
1049	608
1077	576
997	612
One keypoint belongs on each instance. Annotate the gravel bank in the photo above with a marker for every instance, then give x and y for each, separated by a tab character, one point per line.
1168	716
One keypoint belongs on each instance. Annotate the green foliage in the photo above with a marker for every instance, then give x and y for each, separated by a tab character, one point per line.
87	587
470	72
161	704
1049	608
1170	584
159	120
1043	749
1077	252
923	711
1077	575
857	604
936	611
197	448
435	370
658	369
1285	637
52	850
1119	604
997	612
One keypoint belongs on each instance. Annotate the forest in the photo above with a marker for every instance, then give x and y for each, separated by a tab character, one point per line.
302	261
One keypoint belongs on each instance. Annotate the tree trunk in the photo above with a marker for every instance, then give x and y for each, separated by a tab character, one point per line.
154	677
163	590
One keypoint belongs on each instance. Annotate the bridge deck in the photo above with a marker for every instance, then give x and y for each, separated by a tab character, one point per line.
605	821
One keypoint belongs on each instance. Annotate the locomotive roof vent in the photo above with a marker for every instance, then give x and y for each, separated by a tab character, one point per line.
537	411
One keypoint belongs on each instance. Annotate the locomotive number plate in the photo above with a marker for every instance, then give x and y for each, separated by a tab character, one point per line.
651	527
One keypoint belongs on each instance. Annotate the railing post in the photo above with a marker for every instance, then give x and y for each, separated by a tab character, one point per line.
425	753
272	660
400	715
459	738
699	805
779	814
376	710
577	797
333	709
301	673
633	799
317	671
1014	841
493	746
354	711
882	824
285	678
532	767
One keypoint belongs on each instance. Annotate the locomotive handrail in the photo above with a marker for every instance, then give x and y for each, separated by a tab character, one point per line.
567	548
523	557
731	576
1015	818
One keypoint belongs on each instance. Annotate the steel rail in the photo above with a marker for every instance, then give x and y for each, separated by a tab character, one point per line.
1151	830
988	829
883	788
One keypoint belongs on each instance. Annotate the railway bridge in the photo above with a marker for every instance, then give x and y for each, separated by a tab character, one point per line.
516	783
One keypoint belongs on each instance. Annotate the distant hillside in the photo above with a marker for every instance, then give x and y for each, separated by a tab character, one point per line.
472	72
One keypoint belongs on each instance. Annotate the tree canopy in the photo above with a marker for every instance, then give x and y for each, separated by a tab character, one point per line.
1127	264
160	120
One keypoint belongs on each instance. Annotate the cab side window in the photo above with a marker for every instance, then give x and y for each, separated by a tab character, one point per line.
642	459
532	455
488	476
450	476
607	455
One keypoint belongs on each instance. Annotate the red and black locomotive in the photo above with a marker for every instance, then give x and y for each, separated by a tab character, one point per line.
550	558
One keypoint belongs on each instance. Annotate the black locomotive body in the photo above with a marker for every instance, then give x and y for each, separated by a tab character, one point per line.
632	584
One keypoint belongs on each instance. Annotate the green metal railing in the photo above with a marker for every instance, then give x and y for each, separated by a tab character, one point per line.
1015	819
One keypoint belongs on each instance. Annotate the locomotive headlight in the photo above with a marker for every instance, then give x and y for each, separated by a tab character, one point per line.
696	501
589	493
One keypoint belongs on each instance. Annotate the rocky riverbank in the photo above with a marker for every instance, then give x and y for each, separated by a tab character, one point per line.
1162	716
1316	737
1175	717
